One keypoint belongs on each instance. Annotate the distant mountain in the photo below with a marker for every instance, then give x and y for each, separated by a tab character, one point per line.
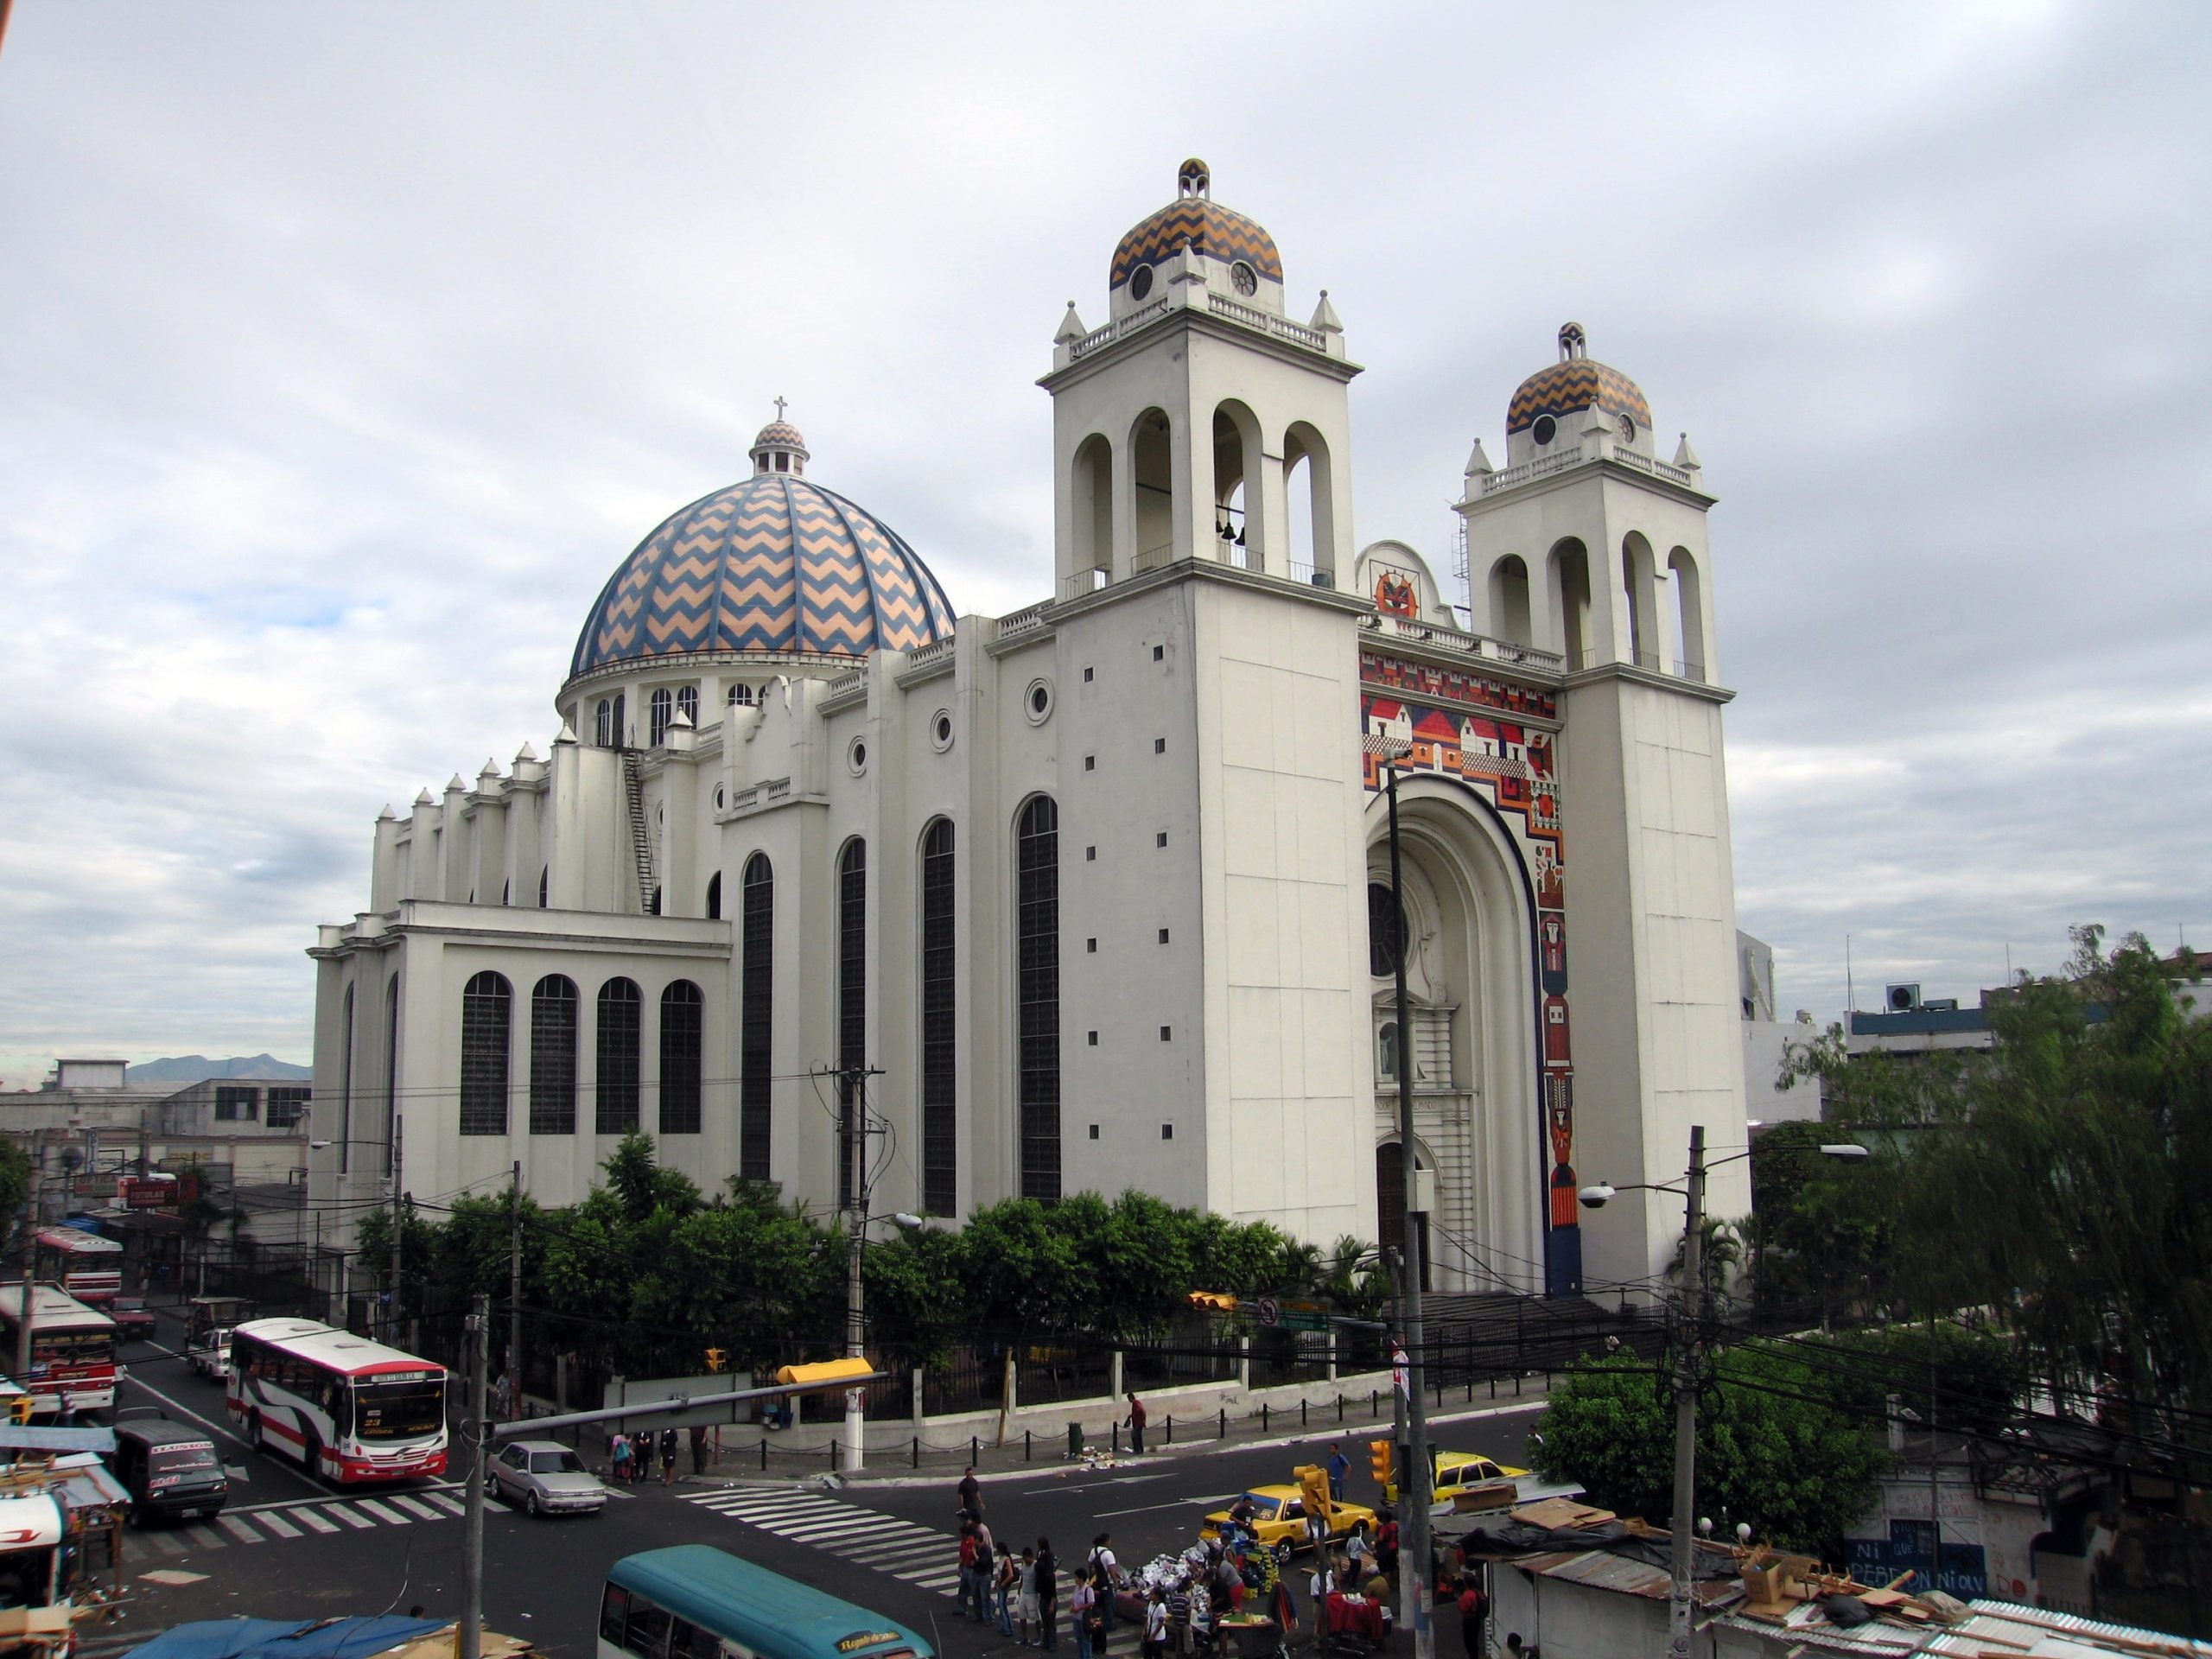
198	1068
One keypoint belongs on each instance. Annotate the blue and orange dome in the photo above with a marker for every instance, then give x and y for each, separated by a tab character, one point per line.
1196	219
776	565
1575	382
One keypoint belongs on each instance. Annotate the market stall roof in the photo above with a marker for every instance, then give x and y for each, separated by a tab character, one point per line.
289	1638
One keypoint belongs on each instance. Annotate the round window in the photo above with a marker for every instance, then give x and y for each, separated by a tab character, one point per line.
721	798
1628	428
1037	699
856	755
1140	281
1244	279
1545	429
941	730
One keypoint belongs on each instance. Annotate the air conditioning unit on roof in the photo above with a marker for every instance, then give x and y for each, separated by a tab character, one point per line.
1901	999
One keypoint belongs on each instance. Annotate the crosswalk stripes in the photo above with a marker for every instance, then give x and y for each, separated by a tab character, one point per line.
281	1521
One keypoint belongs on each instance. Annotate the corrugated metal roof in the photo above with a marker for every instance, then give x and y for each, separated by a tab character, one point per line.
2041	1633
1604	1570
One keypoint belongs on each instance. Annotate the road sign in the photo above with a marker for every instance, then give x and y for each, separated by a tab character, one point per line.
1270	1311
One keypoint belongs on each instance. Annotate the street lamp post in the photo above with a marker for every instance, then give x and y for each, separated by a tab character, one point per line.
1679	1606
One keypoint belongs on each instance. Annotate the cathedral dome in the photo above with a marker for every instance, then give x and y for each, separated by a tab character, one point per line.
775	564
1193	218
1575	382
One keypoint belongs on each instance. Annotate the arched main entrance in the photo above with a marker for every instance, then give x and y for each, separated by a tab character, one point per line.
1390	1199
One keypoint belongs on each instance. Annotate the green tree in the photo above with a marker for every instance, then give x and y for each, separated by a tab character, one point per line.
1781	1445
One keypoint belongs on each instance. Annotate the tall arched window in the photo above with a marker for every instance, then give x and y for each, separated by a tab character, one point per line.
1037	996
486	1016
662	705
615	1109
603	725
544	885
715	897
621	723
553	1056
940	1115
683	1027
852	1004
1386	1051
390	1070
345	1085
756	1015
741	696
687	702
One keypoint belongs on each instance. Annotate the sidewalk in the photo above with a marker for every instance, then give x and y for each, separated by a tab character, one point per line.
1033	1454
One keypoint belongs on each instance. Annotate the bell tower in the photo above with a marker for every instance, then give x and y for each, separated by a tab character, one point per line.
1184	428
1590	547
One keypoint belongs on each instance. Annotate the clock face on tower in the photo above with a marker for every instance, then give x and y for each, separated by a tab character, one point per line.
1246	279
1627	428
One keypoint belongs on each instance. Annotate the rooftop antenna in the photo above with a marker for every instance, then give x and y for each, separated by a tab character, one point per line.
2008	962
1850	997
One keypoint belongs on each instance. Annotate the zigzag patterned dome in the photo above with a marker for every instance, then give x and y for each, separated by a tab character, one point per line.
1195	218
1578	381
775	565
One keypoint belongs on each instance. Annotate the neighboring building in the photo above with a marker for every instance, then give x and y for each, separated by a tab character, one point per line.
1908	1024
1094	895
1767	1043
221	1108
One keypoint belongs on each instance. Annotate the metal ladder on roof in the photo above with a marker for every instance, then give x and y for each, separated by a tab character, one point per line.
633	785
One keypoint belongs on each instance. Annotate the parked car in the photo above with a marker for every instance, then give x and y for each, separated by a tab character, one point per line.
1460	1471
171	1469
546	1478
134	1320
209	1352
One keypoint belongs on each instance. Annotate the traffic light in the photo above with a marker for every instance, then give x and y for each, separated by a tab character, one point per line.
21	1408
1378	1461
716	1359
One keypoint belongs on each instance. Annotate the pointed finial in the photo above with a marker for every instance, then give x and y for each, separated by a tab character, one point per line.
387	814
1685	457
567	734
1324	316
1478	461
426	798
1071	327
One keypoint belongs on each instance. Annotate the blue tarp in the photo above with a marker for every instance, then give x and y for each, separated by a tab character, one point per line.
286	1639
21	1437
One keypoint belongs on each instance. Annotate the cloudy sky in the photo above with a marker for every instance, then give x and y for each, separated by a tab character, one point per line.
348	348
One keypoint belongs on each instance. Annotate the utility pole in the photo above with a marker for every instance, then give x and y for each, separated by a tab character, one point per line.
1414	1491
472	1571
1686	1393
22	1374
852	1129
514	1296
391	1285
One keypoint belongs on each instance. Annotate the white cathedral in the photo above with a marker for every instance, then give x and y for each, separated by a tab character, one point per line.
1096	895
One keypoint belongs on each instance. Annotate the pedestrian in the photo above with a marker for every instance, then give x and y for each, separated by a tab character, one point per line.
1154	1645
1473	1609
1359	1553
1024	1610
620	1453
1048	1595
641	1455
987	1564
1082	1602
698	1448
1514	1650
1106	1579
1135	1420
1005	1589
1385	1546
668	1456
968	1551
1338	1465
971	1493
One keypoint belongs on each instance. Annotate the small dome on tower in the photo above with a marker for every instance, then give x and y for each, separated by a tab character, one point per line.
1194	220
1578	381
779	438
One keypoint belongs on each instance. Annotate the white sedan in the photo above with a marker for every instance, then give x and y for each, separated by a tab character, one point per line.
545	1478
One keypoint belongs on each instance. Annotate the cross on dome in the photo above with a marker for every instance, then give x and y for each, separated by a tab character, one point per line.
778	448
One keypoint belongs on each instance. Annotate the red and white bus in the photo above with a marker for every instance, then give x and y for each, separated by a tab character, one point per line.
89	1267
350	1409
73	1349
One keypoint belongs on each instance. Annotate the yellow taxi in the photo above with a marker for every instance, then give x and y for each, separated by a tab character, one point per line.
1279	1519
1456	1471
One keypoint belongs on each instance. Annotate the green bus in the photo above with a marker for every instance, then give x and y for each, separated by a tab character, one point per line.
692	1601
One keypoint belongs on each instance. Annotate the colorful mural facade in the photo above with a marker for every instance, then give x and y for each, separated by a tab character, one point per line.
1473	729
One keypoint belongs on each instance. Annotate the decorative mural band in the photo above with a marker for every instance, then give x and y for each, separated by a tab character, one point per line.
1513	766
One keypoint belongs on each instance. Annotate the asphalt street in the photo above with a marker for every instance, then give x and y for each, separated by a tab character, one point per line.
290	1546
